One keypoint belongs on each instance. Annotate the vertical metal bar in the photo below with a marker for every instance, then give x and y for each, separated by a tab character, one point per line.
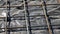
8	16
6	20
26	19
28	24
50	29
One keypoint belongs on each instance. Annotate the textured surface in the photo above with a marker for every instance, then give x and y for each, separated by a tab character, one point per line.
35	16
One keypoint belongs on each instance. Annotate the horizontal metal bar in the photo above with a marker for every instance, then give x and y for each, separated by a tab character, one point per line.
16	17
31	26
22	5
24	29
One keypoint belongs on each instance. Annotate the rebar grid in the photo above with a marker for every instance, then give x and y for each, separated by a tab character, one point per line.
28	26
